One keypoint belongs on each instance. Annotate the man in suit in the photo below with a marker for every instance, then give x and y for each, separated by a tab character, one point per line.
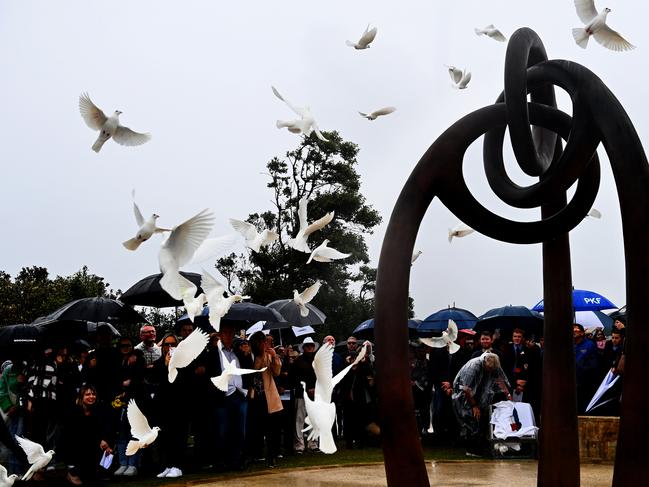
516	364
230	407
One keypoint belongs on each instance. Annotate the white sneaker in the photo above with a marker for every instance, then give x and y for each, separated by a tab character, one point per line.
174	472
120	471
130	471
163	473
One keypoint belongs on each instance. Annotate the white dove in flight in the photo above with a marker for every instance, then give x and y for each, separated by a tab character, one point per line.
187	351
491	31
322	253
303	125
7	481
378	113
36	456
229	369
254	239
596	27
194	305
219	305
447	339
415	256
301	299
460	230
594	213
306	229
146	228
365	40
321	412
140	430
178	250
108	126
460	77
214	248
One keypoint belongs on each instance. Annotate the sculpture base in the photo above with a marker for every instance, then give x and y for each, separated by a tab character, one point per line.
598	438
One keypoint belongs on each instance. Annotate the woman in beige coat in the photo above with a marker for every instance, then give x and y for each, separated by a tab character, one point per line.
264	403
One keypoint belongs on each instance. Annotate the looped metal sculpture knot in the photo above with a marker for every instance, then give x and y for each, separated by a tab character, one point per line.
536	129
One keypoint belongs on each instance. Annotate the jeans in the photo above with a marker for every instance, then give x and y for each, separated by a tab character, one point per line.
231	431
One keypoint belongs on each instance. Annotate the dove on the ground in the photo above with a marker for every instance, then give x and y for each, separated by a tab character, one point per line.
254	239
214	289
228	369
187	351
140	430
108	126
415	256
447	339
460	230
306	229
459	77
301	299
7	481
303	125
596	26
146	228
491	31
178	250
365	40
36	456
594	213
321	412
378	113
323	253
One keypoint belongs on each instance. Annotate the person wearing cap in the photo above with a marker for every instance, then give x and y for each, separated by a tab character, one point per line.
302	371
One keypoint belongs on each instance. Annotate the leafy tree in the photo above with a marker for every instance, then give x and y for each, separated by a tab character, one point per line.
32	293
324	173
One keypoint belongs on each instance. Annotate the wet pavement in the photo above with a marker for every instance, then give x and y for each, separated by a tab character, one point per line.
442	474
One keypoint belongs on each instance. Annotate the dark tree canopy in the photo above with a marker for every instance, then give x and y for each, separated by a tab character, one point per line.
32	293
325	173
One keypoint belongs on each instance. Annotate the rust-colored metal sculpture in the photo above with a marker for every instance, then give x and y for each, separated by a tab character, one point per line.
597	117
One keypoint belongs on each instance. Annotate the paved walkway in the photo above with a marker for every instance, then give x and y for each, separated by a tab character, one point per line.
442	474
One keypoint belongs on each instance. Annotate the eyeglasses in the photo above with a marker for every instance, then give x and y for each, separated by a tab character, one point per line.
351	343
170	344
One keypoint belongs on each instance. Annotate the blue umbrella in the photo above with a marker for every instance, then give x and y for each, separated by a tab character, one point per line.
366	328
438	321
507	318
583	300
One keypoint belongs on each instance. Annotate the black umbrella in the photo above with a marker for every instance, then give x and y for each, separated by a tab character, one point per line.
12	335
507	318
92	328
248	312
289	309
148	292
64	331
619	314
366	329
94	309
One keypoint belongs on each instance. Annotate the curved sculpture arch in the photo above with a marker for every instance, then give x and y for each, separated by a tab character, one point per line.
597	117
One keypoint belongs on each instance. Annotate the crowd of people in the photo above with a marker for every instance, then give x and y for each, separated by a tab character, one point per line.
73	398
453	394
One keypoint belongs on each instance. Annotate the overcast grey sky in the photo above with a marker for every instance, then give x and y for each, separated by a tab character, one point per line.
197	75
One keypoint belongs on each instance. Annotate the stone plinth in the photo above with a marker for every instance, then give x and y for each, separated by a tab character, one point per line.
598	438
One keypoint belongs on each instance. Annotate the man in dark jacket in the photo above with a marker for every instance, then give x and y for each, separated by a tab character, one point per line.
302	371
